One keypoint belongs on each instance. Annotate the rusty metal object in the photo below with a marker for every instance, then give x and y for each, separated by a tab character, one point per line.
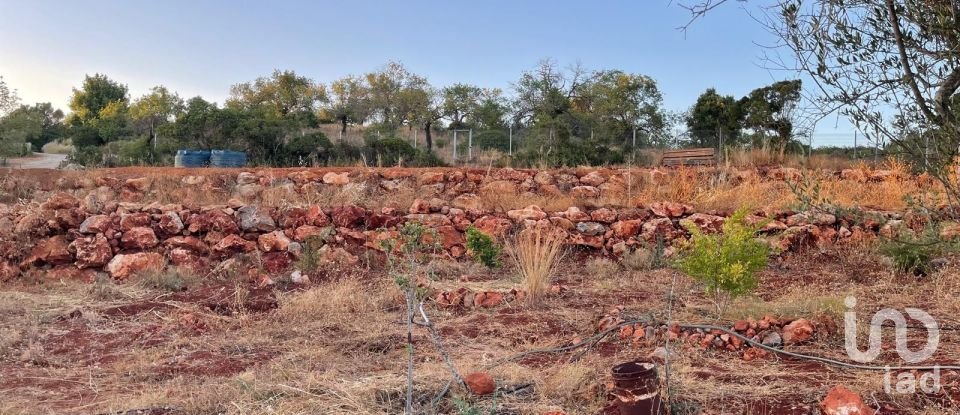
637	389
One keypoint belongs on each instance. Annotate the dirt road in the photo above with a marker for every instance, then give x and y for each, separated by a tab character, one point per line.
37	161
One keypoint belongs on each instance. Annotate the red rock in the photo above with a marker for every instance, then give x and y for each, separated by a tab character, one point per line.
292	217
348	216
273	241
123	266
659	226
92	252
186	258
170	223
275	263
604	215
580	239
490	299
798	331
429	177
753	353
187	242
741	325
301	178
139	185
626	332
574	214
336	179
450	237
60	201
480	383
492	225
419	206
316	217
306	231
467	201
670	209
842	401
593	178
233	243
69	218
52	251
96	224
705	222
134	220
139	238
626	228
212	220
532	212
585	192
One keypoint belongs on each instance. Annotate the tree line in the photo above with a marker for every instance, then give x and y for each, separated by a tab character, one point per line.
569	116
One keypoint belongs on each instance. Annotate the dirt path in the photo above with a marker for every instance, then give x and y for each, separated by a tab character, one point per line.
38	161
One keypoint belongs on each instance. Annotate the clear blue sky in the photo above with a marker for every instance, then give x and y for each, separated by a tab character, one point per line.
203	47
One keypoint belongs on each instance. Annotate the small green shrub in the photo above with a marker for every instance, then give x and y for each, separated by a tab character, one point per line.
483	248
914	253
726	263
309	262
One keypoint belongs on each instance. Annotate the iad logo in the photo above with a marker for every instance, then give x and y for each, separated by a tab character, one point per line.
906	382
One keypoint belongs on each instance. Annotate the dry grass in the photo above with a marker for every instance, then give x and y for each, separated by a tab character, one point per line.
57	147
536	252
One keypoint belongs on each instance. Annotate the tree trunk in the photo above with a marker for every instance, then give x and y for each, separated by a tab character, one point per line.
426	132
343	126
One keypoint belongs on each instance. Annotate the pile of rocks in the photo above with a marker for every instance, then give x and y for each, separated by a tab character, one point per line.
768	331
79	237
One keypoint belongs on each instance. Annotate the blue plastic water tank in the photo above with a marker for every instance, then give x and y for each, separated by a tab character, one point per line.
227	158
192	158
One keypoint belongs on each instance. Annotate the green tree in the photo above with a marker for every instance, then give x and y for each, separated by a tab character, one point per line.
386	89
204	125
349	101
491	111
38	124
713	116
8	98
769	112
618	102
460	102
281	94
154	110
97	93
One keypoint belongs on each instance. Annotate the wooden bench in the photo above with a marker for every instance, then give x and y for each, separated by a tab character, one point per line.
689	157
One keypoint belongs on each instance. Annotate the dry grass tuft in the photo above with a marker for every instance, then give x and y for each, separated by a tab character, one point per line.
536	253
335	303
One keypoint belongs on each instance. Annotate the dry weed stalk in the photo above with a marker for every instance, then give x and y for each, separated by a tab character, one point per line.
536	253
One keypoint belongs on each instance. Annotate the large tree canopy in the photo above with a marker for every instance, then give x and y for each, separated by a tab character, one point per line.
281	94
96	94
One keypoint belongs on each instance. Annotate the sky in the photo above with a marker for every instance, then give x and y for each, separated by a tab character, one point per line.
204	47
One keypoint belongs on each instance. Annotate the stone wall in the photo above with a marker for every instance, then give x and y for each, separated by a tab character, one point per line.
108	226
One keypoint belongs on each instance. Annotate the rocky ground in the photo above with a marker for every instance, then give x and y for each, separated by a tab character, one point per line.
267	291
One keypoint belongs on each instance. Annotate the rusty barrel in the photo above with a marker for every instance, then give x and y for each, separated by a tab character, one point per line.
637	389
